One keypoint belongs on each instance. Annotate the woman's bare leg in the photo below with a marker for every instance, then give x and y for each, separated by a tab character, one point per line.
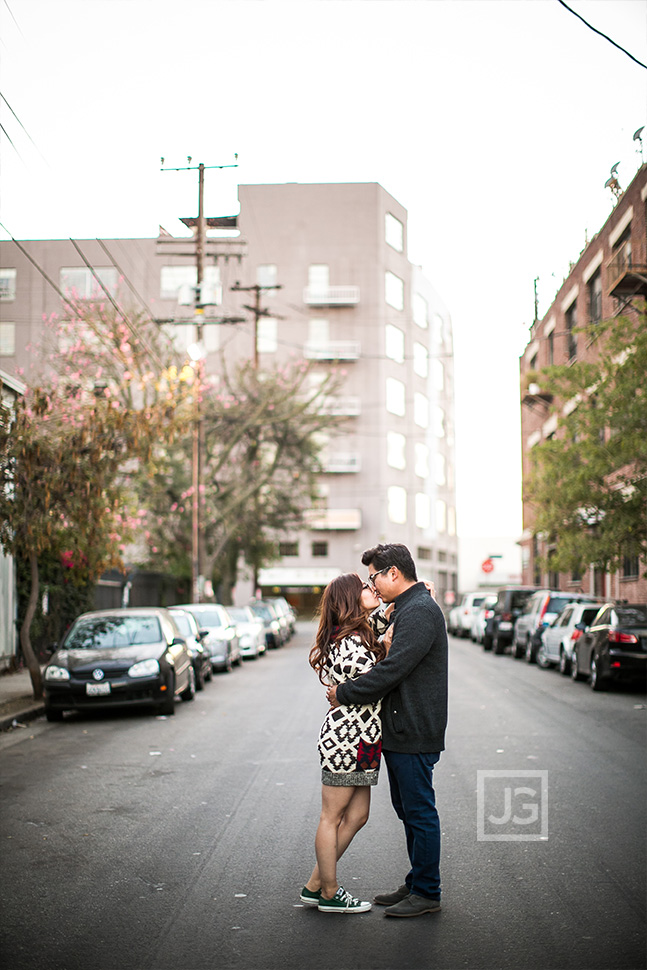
341	819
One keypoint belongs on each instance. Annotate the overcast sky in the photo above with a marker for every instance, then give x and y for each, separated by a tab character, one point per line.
494	122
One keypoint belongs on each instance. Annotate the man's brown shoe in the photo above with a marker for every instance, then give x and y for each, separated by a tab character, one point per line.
389	899
413	905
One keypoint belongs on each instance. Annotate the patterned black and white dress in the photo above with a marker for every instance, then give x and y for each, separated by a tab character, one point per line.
350	740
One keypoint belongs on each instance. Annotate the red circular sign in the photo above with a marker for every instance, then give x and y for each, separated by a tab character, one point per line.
487	565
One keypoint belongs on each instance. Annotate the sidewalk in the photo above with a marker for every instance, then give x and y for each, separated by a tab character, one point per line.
17	704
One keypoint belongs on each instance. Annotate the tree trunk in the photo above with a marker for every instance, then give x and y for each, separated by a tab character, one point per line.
25	641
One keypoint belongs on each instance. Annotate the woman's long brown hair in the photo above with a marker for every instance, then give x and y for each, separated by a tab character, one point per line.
340	615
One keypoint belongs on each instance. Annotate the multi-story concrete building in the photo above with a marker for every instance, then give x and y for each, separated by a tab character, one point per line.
349	298
608	278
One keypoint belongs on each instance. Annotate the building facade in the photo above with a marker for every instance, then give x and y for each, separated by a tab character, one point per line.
608	279
339	291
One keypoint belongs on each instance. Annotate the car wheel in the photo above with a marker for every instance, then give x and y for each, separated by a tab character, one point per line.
564	663
53	714
167	707
189	692
530	652
596	682
575	673
487	643
228	667
208	677
498	645
542	659
199	677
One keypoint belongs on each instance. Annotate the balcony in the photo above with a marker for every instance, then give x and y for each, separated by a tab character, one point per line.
333	350
348	407
341	463
331	295
328	520
624	277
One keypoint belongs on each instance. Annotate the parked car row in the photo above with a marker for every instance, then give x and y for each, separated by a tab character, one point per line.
586	638
152	655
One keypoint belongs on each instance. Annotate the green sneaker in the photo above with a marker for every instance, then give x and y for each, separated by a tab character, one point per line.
310	898
342	902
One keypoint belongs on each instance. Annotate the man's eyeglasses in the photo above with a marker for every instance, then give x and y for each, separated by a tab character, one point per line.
371	576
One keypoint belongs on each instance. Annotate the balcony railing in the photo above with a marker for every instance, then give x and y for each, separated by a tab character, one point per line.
342	406
624	276
341	463
324	520
331	295
333	350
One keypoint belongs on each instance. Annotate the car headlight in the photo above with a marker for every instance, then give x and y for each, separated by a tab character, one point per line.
145	668
57	673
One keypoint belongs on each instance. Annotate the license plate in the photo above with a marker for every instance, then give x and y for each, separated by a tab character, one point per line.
94	690
504	625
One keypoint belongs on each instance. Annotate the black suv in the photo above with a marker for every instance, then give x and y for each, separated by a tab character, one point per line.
511	601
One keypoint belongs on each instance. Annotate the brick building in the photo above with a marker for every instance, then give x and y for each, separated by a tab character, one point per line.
349	297
608	279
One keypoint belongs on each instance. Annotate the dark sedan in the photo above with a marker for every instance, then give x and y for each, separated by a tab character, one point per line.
122	657
614	648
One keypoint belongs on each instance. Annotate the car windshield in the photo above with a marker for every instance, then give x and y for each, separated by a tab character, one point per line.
239	614
99	633
183	623
519	599
208	618
263	611
557	603
632	615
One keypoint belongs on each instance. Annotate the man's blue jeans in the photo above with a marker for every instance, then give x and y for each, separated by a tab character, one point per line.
411	777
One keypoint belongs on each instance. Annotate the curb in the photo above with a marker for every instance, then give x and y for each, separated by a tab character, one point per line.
27	714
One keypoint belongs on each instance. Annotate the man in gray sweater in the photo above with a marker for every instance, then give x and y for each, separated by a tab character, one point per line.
412	682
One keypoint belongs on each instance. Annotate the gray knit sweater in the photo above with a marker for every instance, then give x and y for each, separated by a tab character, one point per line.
412	679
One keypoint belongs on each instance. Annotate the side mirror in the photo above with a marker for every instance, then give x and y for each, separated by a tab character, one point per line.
178	642
203	634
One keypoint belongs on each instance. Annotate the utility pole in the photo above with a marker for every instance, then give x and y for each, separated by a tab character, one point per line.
197	551
257	309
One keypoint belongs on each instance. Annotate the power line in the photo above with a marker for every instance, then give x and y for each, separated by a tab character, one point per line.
23	128
606	36
120	270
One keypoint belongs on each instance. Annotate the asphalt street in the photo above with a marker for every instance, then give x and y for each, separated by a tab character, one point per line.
131	842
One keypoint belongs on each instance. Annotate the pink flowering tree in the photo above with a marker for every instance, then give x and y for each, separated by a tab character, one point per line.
108	401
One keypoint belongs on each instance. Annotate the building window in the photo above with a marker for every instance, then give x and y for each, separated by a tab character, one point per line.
267	335
630	567
423	552
179	283
440	467
319	549
79	283
318	332
7	339
422	460
7	285
288	548
266	274
318	279
442	555
571	336
420	360
394	343
441	515
395	450
394	290
396	498
420	410
595	297
423	515
394	232
420	311
395	398
551	348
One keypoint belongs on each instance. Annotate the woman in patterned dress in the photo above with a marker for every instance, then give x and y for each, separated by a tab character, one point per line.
346	646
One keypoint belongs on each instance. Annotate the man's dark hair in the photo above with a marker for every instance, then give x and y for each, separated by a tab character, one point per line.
392	554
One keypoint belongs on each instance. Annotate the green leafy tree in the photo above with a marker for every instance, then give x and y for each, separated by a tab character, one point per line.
260	449
588	484
68	450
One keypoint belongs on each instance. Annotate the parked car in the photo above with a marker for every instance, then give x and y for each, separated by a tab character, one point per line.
509	603
120	657
481	616
221	640
614	648
453	618
266	612
282	616
538	613
558	639
468	609
250	629
194	637
282	606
